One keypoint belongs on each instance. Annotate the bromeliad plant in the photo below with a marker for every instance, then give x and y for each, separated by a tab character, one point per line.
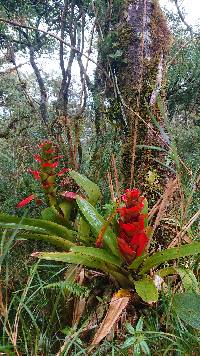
73	225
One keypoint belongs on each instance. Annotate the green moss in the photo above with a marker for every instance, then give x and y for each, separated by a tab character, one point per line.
136	79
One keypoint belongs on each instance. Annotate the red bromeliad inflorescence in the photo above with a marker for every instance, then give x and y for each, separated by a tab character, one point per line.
46	174
132	238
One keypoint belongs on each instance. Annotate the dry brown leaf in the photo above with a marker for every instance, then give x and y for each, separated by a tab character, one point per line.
2	307
79	305
118	303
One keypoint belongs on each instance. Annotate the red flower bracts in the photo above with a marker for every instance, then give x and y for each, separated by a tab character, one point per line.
48	161
132	238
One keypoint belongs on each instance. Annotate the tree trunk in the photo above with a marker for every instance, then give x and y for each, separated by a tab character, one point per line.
134	48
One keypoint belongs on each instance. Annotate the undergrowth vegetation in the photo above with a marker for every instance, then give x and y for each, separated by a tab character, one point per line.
99	180
119	264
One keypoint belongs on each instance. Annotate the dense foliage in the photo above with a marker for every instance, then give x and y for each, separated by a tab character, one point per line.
99	184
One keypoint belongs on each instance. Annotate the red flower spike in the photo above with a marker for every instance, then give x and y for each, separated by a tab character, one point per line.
63	171
49	151
38	158
128	214
126	251
36	174
45	143
130	195
140	241
132	235
131	228
123	236
25	201
50	165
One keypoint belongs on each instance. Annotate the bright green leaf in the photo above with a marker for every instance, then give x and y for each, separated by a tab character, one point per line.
96	222
130	328
53	240
145	347
92	190
139	325
51	214
97	253
129	342
66	207
36	225
71	257
147	290
156	148
173	253
137	262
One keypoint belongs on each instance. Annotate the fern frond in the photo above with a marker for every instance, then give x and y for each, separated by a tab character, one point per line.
74	288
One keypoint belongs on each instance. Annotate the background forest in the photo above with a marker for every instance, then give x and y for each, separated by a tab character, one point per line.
100	159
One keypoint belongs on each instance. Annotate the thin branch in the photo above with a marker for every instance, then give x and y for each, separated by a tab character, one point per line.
14	23
188	27
43	93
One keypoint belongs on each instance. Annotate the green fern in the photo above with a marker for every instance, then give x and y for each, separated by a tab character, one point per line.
74	288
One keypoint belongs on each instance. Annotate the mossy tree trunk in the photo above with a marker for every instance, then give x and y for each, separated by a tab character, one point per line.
133	42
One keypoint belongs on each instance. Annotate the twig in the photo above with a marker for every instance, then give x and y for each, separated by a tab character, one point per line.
14	23
110	183
116	176
180	235
188	27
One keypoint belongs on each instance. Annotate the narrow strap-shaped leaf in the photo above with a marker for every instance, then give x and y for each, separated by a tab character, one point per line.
38	225
70	257
163	256
92	190
97	253
13	226
147	290
137	262
52	239
96	222
157	148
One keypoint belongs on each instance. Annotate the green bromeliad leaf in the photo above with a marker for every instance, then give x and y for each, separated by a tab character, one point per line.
51	214
96	223
66	207
51	239
71	257
147	290
92	190
97	253
101	261
137	262
36	225
173	253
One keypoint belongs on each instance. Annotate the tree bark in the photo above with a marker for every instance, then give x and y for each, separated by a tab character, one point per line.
134	50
